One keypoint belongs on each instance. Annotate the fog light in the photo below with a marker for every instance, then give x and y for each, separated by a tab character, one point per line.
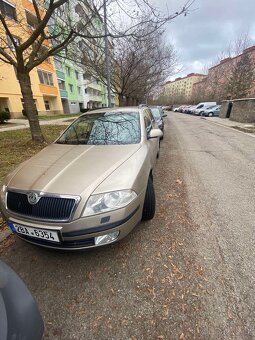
107	238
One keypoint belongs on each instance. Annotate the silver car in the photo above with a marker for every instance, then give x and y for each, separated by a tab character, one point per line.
89	188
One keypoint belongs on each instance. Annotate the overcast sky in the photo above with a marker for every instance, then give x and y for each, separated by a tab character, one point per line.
205	32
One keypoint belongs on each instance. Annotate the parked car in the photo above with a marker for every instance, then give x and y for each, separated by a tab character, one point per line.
19	314
187	109
212	111
167	108
181	108
191	108
176	109
158	115
91	187
201	107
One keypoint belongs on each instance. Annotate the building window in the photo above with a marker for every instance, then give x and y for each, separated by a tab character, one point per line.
45	78
10	43
47	105
68	70
86	90
8	10
79	90
61	84
58	65
77	75
22	102
31	19
71	87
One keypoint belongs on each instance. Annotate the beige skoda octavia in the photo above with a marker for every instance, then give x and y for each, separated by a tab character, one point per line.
89	188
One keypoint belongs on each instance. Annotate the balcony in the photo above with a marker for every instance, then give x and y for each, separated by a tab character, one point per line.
63	93
95	98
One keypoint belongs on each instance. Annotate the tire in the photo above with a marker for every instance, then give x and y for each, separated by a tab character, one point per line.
158	149
210	114
201	113
149	205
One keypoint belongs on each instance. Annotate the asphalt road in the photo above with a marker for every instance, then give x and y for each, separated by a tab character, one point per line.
187	274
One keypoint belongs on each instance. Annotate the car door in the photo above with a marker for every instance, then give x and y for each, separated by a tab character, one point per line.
152	143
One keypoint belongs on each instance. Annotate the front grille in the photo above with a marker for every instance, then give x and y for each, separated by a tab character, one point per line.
89	242
48	207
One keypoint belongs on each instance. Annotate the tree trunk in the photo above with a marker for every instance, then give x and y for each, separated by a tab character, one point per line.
30	107
121	100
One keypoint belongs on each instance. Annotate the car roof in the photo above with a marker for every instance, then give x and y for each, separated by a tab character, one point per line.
115	110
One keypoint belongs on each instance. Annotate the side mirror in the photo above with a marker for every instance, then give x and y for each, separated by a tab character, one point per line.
155	133
19	314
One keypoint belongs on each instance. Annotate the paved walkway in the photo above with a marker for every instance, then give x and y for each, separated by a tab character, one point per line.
244	127
23	123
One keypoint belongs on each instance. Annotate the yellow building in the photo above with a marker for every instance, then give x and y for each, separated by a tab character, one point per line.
180	89
43	78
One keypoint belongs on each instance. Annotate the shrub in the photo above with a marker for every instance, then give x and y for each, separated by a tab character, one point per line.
84	110
4	116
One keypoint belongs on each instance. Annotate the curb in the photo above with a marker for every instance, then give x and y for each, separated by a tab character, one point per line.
4	234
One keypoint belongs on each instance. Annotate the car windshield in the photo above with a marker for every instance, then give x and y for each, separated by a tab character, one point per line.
156	113
106	128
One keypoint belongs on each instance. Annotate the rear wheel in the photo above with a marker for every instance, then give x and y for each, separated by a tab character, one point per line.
149	202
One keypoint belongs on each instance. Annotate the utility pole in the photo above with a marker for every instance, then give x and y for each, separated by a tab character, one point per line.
107	59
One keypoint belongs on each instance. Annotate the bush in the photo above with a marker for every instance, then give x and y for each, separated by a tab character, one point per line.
4	116
84	110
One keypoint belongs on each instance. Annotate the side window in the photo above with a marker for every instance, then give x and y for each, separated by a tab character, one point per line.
150	115
147	121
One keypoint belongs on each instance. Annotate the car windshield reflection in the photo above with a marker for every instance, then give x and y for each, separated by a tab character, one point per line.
106	128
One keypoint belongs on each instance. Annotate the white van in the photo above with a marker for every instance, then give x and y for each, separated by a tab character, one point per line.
202	106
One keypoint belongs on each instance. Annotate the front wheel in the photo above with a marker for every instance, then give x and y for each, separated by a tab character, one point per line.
210	114
149	205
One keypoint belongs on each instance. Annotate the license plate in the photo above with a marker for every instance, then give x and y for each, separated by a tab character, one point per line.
35	232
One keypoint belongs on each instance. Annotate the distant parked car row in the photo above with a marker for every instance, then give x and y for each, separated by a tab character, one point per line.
209	109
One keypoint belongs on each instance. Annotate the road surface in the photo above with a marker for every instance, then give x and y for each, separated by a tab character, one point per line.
187	274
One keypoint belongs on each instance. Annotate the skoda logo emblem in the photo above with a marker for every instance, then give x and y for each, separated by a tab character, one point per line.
33	198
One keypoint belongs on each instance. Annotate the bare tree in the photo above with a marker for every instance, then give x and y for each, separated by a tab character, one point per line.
226	75
54	27
242	77
138	66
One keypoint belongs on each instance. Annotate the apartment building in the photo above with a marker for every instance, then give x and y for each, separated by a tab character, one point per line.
43	78
214	86
78	88
181	88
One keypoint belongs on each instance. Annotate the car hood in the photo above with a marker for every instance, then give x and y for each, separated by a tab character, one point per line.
70	169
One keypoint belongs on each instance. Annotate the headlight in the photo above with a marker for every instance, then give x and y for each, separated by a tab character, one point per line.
2	193
109	201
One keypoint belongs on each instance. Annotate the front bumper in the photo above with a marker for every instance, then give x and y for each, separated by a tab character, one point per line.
81	233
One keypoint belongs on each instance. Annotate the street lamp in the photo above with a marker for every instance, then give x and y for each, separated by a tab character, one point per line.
107	59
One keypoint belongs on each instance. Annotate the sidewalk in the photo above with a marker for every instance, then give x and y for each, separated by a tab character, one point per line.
23	123
244	127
